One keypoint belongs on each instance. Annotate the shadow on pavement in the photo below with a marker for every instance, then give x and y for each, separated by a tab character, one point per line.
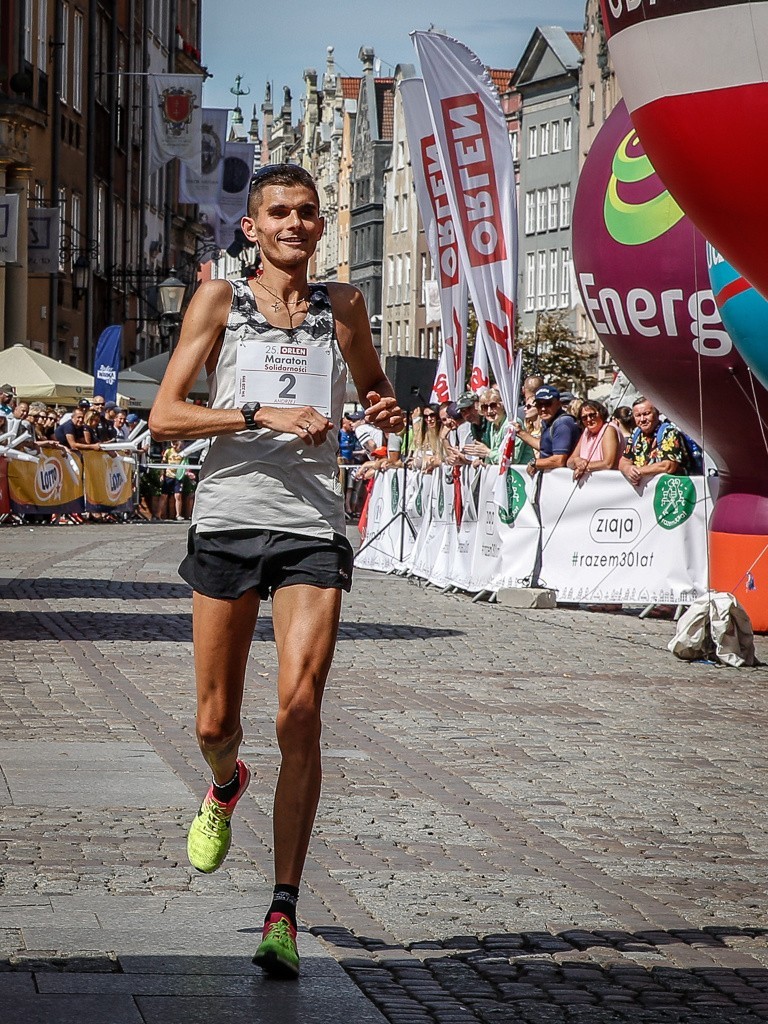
594	977
57	588
173	627
173	989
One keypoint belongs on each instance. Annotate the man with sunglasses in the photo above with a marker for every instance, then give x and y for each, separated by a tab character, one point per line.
559	433
269	513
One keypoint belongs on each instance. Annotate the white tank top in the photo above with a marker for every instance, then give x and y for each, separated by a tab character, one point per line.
259	479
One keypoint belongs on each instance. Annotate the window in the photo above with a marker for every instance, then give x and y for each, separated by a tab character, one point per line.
401	154
74	214
566	133
541	210
102	59
553	205
120	90
553	278
406	337
530	280
77	62
29	17
399	338
530	212
390	280
591	106
565	276
118	237
422	343
396	215
532	139
541	279
39	194
513	145
398	287
404	213
64	67
101	224
544	139
423	283
407	277
565	206
555	141
42	34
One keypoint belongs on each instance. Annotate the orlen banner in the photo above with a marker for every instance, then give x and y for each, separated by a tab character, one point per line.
108	481
429	182
52	485
642	272
472	140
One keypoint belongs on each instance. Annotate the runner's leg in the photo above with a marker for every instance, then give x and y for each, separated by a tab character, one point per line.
221	632
306	621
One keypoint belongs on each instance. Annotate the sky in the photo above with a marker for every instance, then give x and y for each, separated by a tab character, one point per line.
275	42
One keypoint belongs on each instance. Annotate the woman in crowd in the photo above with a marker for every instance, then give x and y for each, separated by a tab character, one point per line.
50	422
599	446
624	419
493	409
427	451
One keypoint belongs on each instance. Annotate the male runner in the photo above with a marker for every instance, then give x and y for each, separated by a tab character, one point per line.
269	513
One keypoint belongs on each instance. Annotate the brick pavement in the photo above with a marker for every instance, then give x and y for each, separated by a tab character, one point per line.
527	815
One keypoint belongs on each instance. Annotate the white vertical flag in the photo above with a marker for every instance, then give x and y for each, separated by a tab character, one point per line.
201	184
9	227
232	199
176	102
480	377
471	136
429	181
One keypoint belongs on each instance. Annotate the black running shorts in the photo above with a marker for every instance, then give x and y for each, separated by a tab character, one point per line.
225	565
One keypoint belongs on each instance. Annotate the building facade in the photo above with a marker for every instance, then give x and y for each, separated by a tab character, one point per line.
73	131
371	147
547	78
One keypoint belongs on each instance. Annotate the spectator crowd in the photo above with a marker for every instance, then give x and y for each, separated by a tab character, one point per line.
549	430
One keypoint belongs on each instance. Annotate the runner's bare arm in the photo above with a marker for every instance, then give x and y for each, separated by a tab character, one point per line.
173	417
353	331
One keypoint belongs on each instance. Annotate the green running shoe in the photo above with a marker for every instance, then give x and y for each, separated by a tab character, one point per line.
210	834
277	954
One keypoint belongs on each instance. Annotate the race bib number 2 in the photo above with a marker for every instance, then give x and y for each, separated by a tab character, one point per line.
284	375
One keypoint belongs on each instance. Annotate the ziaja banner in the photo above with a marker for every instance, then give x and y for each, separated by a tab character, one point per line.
605	541
108	481
598	541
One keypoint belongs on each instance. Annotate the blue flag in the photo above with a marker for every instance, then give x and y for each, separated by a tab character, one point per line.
106	363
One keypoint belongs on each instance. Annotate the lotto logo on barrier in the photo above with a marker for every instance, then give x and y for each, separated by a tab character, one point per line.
49	480
108	482
53	485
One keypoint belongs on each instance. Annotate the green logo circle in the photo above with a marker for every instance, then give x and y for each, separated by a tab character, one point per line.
674	501
394	493
516	497
636	223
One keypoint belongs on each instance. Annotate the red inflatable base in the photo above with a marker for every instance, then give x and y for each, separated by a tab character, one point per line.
738	565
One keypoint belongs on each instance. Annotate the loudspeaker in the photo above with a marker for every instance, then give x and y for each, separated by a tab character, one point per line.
412	378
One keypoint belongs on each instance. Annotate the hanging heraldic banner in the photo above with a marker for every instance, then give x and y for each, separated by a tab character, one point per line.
177	120
43	241
202	184
9	227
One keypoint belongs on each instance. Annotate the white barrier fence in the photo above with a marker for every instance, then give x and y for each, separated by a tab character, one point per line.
597	541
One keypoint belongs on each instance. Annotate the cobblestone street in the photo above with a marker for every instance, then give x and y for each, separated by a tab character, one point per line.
527	816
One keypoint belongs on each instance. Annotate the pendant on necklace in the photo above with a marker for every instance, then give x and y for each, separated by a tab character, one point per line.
276	306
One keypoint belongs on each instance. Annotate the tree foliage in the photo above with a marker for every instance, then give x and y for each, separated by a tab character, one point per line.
555	352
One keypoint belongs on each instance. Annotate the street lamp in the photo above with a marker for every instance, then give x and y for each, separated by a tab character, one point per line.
81	272
170	294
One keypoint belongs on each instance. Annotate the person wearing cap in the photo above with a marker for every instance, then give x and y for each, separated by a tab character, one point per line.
269	514
7	394
106	430
559	433
472	428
